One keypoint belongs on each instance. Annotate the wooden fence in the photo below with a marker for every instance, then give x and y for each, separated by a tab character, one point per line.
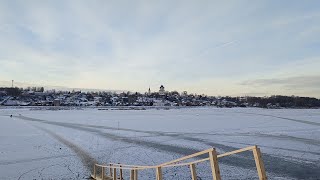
212	158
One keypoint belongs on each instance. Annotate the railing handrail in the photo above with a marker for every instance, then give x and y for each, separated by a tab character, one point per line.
236	151
174	163
171	163
123	166
187	157
120	166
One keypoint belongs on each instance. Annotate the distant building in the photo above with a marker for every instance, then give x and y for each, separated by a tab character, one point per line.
158	103
56	102
161	91
149	91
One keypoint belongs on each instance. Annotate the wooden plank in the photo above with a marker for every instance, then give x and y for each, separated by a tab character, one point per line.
131	174
214	165
129	168
170	164
135	174
102	172
193	172
259	163
120	173
128	165
110	170
236	151
187	164
114	174
187	157
159	173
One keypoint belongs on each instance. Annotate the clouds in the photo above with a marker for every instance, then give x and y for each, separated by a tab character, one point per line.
298	85
205	47
298	82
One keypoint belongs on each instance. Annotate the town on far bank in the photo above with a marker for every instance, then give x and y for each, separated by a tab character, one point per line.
38	96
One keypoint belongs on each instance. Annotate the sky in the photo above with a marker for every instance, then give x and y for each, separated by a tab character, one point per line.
234	47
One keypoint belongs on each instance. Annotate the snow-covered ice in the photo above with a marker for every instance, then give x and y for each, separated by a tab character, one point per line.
43	144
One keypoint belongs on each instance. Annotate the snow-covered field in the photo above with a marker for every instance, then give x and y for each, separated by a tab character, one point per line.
43	144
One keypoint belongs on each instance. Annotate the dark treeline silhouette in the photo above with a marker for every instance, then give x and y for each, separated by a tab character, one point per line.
11	91
285	101
15	91
37	96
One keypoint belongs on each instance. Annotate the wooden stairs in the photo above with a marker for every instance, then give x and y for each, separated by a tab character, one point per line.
212	157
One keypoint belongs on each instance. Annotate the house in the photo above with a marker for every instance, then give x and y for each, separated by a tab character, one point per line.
56	102
10	102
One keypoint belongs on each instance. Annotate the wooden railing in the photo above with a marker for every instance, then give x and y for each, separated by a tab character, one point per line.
212	158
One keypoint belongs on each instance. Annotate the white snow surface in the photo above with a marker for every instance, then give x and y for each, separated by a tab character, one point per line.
45	144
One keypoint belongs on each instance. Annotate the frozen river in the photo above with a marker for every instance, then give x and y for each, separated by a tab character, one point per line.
44	144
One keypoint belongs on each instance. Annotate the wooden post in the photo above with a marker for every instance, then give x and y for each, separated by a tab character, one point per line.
214	164
114	174
102	172
131	174
193	172
94	171
121	175
159	173
259	163
110	169
135	174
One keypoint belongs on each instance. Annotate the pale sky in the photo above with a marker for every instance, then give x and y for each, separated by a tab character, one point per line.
232	47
